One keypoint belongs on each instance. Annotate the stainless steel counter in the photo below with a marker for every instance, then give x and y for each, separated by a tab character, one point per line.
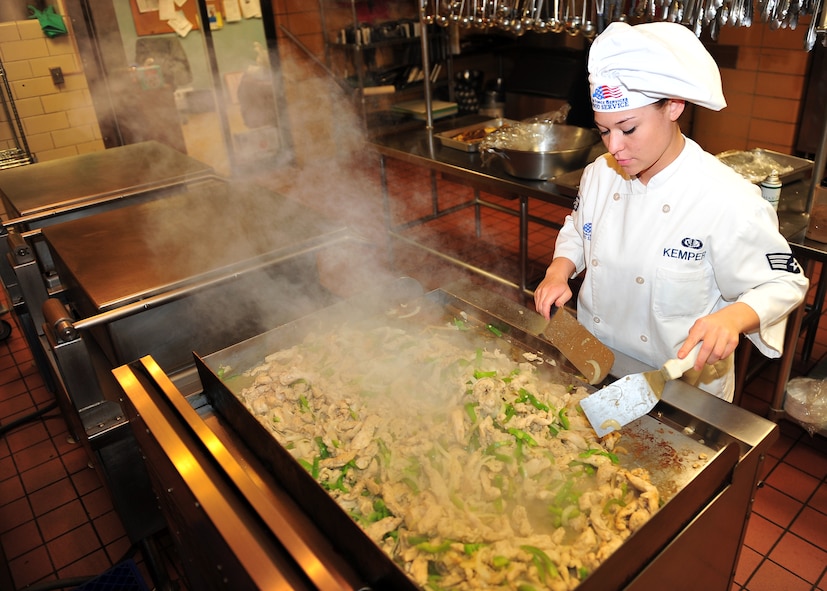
33	194
421	147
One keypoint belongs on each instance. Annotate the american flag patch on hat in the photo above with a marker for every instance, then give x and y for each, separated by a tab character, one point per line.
607	92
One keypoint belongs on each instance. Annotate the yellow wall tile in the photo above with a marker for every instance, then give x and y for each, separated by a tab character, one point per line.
39	142
61	45
64	101
30	29
18	70
41	66
45	123
75	82
57	153
33	87
73	136
9	32
82	116
29	107
93	146
23	50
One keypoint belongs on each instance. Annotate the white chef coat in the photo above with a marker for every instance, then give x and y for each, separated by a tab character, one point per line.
657	257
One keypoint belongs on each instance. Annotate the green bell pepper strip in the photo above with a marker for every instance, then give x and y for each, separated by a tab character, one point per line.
324	452
526	396
494	330
564	420
434	548
410	482
471	411
610	503
600	452
522	436
545	567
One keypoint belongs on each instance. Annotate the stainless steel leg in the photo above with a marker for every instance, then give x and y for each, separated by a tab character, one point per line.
523	247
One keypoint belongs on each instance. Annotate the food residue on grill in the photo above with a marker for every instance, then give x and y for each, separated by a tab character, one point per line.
461	463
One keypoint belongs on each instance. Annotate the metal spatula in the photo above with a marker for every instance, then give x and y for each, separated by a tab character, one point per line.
591	357
631	397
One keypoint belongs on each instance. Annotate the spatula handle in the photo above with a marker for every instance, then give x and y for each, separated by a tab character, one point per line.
675	368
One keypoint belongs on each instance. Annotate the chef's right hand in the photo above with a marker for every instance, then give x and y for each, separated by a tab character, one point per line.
554	289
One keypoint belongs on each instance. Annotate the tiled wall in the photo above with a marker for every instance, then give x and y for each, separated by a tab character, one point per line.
764	91
58	120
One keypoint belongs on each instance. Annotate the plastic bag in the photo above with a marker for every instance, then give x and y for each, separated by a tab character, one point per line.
51	22
806	402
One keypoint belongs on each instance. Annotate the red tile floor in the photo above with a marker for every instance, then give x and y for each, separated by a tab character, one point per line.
57	521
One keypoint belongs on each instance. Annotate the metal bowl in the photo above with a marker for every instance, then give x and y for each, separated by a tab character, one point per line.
564	149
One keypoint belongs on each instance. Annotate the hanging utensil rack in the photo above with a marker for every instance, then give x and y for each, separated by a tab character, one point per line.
16	151
520	16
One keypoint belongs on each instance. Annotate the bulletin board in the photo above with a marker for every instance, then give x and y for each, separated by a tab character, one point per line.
148	23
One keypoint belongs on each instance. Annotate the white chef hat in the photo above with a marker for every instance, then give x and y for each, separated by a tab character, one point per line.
633	66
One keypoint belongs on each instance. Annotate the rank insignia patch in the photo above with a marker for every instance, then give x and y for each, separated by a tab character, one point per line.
783	261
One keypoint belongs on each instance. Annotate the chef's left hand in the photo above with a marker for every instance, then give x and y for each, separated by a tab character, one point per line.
720	332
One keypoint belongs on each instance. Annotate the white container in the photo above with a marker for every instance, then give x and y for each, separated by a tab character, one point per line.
771	189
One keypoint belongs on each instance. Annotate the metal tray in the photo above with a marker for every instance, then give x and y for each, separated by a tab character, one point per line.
756	164
447	138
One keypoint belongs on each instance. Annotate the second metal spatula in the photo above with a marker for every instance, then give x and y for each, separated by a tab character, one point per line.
631	397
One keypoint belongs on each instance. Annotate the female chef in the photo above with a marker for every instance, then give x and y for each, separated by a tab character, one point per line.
677	248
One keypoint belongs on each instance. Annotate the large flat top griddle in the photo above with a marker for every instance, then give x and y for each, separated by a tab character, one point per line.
206	231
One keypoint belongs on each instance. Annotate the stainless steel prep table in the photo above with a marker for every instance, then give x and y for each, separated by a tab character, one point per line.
34	194
421	147
50	192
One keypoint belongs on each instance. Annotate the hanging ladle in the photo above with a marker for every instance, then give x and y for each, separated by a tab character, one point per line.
572	19
588	30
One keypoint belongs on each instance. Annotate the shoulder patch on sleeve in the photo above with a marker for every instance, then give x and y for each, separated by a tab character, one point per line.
783	261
